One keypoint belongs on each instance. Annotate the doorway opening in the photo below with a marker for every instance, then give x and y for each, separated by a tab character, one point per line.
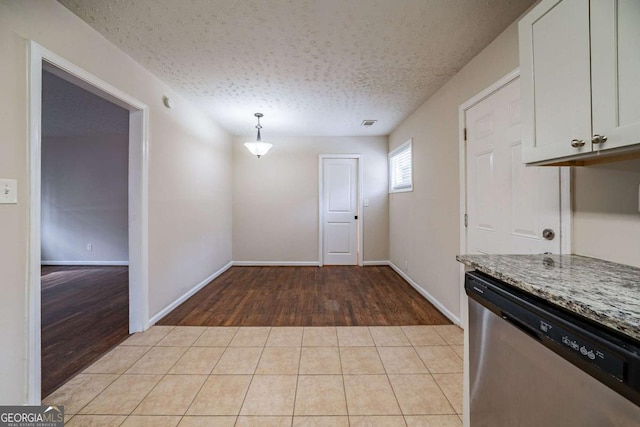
340	209
84	227
88	207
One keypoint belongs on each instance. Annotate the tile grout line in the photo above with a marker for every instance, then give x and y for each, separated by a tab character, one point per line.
447	344
295	396
207	376
344	388
386	374
94	398
244	399
438	384
446	397
439	387
148	347
235	422
166	373
121	374
404	418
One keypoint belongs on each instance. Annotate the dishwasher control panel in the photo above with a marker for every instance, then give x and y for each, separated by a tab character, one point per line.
584	348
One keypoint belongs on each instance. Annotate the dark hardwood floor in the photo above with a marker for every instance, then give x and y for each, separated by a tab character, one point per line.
306	296
85	312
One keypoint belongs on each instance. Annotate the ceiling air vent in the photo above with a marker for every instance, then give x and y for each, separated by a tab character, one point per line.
368	123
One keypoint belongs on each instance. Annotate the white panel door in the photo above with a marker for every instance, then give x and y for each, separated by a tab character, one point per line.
340	211
615	55
509	205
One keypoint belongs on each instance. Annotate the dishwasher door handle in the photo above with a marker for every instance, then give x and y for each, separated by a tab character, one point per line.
522	326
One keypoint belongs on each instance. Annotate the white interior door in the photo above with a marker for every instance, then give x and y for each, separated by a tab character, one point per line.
509	205
340	211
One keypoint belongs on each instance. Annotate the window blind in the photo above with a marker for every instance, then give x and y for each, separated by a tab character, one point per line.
400	169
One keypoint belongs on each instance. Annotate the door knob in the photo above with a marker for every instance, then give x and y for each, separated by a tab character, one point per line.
548	234
599	139
575	143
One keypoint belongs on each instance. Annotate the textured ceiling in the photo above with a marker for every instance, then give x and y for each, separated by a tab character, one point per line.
313	67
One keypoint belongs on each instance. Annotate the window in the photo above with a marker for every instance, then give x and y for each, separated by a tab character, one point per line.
400	169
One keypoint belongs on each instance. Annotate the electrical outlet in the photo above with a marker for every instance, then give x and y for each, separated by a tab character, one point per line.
366	203
406	265
89	246
8	191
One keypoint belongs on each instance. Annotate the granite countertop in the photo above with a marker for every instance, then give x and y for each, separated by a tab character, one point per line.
602	291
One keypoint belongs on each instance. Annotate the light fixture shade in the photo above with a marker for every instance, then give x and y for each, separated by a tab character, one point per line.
258	148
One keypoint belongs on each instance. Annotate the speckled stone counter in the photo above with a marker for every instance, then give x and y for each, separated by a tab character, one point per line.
602	291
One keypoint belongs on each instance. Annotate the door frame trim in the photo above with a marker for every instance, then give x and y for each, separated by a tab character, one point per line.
321	158
565	181
138	221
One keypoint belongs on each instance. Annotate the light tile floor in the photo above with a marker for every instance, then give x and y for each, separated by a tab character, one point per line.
262	376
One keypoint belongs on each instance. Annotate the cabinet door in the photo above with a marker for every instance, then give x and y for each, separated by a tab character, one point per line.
615	55
556	80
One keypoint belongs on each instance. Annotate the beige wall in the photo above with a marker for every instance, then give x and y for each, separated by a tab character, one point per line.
189	177
606	221
275	198
425	224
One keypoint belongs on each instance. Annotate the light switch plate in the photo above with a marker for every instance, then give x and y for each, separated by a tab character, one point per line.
8	191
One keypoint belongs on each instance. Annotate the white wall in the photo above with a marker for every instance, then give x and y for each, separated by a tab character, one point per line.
606	221
424	225
85	160
189	177
275	198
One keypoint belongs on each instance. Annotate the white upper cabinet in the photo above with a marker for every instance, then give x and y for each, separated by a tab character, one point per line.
615	71
579	64
555	79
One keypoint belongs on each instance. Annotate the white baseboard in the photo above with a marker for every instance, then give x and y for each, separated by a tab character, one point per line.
369	263
105	263
294	263
276	263
427	295
153	320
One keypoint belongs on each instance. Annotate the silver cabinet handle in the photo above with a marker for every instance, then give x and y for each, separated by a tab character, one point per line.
599	139
577	143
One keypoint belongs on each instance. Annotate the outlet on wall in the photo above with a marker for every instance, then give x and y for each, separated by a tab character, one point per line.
406	265
89	246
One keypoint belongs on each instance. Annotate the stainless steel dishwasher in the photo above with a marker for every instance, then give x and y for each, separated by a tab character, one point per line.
532	364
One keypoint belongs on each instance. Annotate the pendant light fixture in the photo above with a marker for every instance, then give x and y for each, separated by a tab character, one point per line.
258	147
